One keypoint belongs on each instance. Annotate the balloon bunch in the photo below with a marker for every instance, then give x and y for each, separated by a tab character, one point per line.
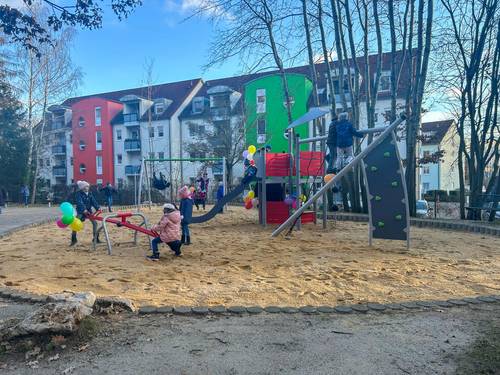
248	154
68	218
250	200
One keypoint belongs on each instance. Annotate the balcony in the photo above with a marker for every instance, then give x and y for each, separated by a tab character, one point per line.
59	171
132	170
132	145
131	119
220	112
58	150
56	125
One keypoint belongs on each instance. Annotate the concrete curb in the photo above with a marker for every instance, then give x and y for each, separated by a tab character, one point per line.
423	305
427	223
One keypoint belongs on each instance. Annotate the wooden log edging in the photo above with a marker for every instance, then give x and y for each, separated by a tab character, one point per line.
423	305
427	223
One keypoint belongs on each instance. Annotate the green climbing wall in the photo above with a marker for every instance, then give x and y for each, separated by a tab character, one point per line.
386	188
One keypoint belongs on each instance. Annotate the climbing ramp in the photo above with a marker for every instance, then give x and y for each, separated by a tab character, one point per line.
385	184
386	189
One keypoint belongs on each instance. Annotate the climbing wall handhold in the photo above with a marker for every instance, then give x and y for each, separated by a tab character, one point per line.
378	198
394	184
380	224
398	217
373	168
387	154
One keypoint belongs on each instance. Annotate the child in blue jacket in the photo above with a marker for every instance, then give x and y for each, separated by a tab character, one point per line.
345	132
186	209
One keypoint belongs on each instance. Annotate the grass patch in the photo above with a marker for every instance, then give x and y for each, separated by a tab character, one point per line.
88	328
483	357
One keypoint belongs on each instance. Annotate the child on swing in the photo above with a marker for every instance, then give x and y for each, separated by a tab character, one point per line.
169	231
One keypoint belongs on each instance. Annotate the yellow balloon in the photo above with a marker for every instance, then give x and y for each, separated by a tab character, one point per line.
252	149
251	194
328	177
76	225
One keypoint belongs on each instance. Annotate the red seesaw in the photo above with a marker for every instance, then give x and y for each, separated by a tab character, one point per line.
120	219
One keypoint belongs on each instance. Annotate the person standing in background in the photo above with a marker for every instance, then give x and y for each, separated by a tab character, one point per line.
25	193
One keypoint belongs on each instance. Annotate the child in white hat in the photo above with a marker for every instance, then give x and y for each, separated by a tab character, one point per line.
85	202
169	231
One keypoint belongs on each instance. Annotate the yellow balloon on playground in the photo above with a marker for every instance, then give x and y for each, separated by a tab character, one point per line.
251	194
252	149
76	225
328	177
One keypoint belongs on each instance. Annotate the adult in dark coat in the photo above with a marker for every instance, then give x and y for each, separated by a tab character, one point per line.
331	143
345	131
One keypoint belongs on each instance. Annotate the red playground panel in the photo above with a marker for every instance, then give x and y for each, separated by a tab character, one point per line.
311	163
277	165
277	213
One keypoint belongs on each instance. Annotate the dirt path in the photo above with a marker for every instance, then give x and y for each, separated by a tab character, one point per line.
431	342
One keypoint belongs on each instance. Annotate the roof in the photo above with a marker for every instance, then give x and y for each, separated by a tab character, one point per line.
434	132
177	92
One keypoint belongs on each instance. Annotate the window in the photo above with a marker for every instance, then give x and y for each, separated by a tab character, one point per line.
82	145
71	161
197	155
151	132
47	162
119	158
98	141
425	187
426	170
98	163
71	138
261	101
219	101
99	181
196	130
151	155
97	116
82	168
135	134
81	122
198	105
159	108
161	155
118	135
385	81
261	126
160	131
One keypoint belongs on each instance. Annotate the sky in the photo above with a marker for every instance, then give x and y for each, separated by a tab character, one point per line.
114	57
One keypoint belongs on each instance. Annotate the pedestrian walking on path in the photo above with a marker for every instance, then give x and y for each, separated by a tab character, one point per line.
25	193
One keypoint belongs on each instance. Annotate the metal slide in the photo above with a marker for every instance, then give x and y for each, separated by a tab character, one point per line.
232	195
387	133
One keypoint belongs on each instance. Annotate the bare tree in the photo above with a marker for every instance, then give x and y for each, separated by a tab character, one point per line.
471	74
58	78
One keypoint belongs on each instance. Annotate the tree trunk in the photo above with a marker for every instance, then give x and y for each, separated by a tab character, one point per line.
326	58
461	180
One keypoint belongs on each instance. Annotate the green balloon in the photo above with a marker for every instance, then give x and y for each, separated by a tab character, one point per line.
66	209
67	219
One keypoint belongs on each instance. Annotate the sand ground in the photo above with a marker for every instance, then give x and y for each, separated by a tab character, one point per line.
234	261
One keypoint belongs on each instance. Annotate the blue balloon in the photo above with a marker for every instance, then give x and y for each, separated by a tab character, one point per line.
66	208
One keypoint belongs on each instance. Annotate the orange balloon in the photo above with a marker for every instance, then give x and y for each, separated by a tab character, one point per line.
328	177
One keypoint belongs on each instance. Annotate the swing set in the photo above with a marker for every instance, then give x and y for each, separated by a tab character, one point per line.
152	177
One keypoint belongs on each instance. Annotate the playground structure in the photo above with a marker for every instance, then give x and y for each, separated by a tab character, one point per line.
387	195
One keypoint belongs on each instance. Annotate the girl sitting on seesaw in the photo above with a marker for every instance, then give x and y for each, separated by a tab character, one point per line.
169	231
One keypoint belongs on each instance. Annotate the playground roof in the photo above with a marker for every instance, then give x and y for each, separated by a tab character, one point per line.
310	115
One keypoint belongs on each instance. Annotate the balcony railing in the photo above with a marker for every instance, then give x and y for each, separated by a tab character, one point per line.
56	125
132	170
131	118
132	145
59	150
59	171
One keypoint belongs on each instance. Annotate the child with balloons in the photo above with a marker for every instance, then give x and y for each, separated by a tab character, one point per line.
85	202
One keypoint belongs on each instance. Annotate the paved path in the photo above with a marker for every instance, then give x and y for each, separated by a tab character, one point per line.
12	218
416	343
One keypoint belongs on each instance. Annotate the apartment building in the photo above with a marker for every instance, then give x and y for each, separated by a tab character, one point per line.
443	174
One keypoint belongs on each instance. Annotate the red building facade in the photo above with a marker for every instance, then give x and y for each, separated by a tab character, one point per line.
93	158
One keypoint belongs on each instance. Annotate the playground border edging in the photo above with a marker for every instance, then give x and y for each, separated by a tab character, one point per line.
426	223
15	295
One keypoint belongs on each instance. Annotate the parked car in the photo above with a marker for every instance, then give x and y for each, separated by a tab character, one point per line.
423	210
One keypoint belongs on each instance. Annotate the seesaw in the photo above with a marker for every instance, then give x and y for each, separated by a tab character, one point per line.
120	219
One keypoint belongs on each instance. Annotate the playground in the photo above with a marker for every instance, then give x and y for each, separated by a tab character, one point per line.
234	261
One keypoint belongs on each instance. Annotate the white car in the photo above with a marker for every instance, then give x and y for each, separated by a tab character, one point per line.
422	209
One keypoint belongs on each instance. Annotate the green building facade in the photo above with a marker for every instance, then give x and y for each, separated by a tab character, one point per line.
266	113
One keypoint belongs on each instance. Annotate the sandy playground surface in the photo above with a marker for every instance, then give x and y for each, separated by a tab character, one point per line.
233	261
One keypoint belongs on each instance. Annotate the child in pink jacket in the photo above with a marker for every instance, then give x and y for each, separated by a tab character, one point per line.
169	231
